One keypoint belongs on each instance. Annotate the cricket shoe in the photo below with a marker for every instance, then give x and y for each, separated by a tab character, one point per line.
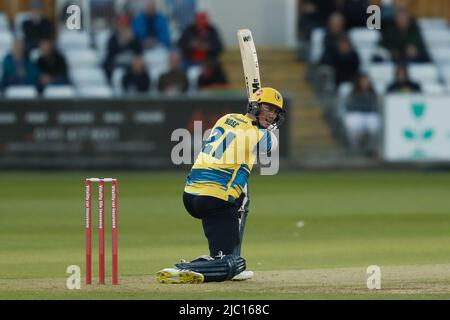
244	275
174	275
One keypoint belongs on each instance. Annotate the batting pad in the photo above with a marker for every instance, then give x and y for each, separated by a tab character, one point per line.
220	269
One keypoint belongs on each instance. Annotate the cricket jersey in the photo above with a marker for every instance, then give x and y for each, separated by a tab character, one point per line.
227	157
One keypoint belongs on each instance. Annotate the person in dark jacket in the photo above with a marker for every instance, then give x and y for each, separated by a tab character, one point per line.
151	27
38	27
345	62
18	69
122	46
200	42
52	65
175	80
136	78
403	39
402	82
212	76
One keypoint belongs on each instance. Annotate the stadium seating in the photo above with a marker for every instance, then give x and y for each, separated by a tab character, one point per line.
101	43
193	73
382	72
116	81
18	22
95	92
59	91
21	92
82	58
363	37
432	23
88	76
316	51
73	40
4	23
423	72
6	40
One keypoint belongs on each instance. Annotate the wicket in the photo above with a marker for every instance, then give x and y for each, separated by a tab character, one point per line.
101	229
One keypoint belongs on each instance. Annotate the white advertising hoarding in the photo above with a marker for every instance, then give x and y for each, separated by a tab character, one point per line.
417	128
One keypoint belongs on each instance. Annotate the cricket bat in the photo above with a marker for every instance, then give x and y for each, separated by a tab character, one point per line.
252	83
249	61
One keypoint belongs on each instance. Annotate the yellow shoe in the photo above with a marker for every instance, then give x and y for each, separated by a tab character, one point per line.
173	275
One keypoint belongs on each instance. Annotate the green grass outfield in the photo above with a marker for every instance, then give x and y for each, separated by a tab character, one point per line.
399	221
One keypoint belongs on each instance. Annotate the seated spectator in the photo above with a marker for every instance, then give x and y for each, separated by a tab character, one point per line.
361	118
402	83
175	80
313	14
151	28
18	69
136	78
122	46
335	31
200	42
37	27
212	76
404	40
51	64
345	61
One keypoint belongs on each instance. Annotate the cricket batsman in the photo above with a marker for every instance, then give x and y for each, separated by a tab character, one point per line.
215	190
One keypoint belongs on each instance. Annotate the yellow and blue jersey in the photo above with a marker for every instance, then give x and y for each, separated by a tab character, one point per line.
224	164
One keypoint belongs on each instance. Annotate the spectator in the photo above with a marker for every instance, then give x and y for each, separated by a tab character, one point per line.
335	31
404	40
175	80
212	76
313	14
200	42
136	78
37	27
151	27
18	69
51	64
122	46
361	118
402	83
345	62
354	12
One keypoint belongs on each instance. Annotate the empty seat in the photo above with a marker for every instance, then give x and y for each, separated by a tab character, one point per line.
423	72
101	43
70	40
316	49
4	23
382	72
88	76
6	40
436	36
55	91
193	73
155	73
363	37
440	55
432	23
95	92
158	57
433	88
116	81
83	58
21	92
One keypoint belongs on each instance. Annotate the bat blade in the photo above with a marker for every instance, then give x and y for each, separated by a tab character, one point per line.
249	61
